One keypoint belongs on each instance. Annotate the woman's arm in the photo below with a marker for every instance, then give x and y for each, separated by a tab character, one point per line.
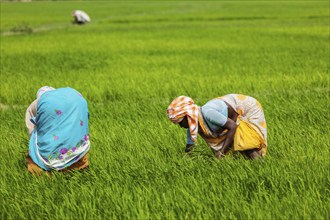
190	143
231	126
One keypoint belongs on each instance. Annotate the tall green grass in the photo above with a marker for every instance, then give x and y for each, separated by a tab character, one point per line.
129	63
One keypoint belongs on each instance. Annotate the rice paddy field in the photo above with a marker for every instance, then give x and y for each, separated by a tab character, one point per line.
129	63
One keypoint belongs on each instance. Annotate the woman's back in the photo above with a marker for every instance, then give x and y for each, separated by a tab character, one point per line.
61	134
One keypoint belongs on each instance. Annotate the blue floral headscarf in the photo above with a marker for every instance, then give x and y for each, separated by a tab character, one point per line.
60	137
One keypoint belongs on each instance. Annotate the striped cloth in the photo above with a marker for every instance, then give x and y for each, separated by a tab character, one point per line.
184	106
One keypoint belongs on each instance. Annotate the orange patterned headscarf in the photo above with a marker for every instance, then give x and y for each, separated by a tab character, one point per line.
184	106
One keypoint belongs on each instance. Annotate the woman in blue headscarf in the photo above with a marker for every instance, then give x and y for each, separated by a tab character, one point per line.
57	123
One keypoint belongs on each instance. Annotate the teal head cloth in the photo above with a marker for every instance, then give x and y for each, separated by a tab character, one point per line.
61	134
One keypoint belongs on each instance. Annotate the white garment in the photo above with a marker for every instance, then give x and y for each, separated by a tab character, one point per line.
81	16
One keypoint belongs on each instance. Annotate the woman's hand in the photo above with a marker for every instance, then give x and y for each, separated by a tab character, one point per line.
189	147
219	155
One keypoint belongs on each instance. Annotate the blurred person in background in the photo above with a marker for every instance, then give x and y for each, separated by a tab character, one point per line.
80	17
57	123
231	122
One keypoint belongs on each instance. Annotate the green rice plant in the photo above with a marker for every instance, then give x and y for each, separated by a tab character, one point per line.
22	28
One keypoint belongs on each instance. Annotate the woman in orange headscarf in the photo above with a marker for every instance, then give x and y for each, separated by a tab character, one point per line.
232	121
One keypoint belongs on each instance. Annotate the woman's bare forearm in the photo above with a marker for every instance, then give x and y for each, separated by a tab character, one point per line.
231	126
228	141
